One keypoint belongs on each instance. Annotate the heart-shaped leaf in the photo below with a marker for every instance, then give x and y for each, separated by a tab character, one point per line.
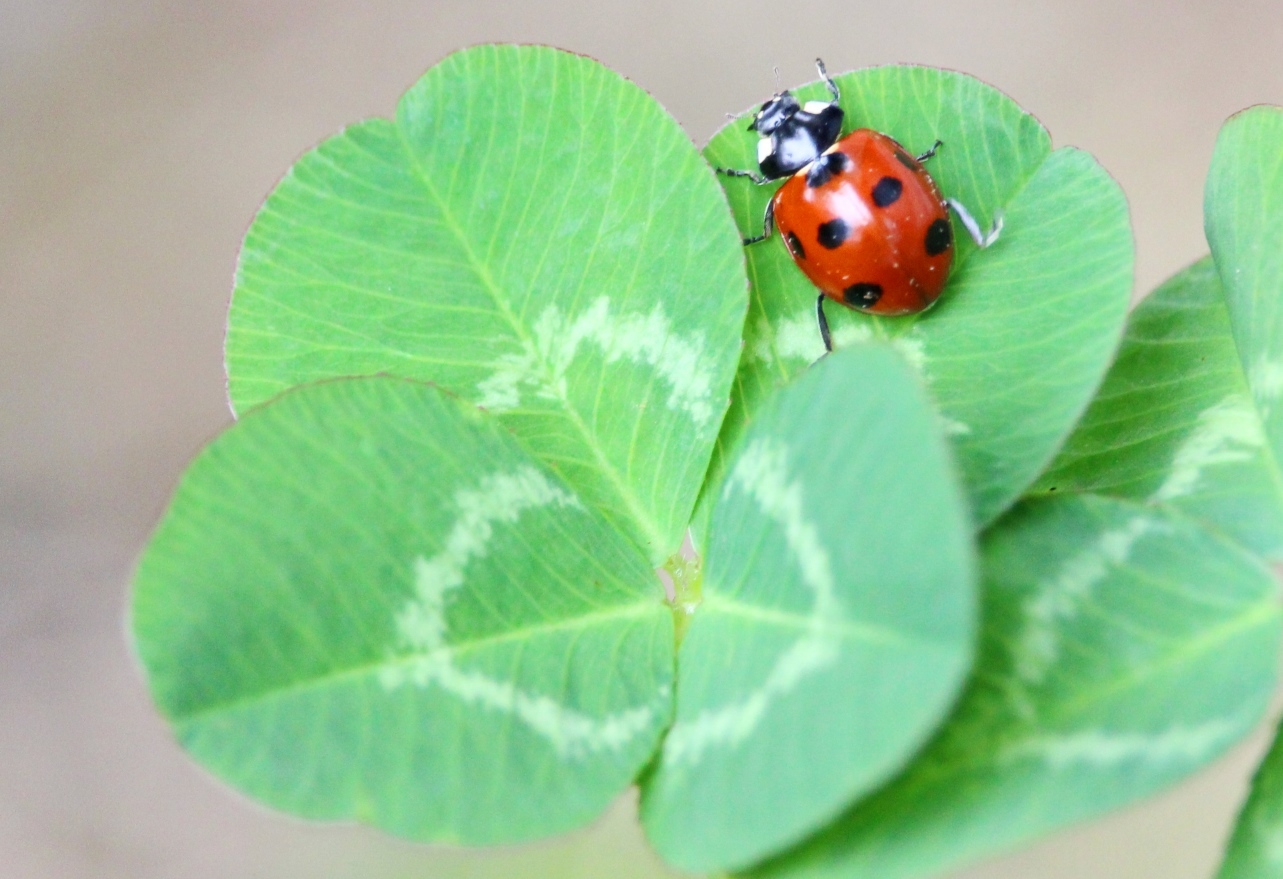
1174	421
1243	210
367	600
1123	647
837	621
534	233
1243	213
1024	330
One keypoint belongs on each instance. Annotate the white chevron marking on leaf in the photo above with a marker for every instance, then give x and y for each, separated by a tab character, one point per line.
1188	744
1037	645
649	339
421	623
1266	379
1226	433
762	472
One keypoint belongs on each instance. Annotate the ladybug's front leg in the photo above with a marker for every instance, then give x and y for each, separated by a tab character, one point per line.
828	80
768	224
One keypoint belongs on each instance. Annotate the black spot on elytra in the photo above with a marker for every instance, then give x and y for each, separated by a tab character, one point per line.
887	191
939	237
862	295
795	246
833	233
823	169
906	160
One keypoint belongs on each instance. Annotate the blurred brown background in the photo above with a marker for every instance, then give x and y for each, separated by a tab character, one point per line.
136	140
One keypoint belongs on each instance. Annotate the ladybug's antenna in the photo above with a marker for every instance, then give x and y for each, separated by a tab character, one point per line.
776	68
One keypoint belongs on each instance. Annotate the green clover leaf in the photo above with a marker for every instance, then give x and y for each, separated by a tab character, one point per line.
533	233
367	600
1024	330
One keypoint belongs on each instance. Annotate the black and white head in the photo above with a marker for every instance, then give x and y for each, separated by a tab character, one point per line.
793	134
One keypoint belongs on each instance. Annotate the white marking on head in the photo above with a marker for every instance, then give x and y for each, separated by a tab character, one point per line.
764	147
648	340
816	106
1226	433
422	628
762	473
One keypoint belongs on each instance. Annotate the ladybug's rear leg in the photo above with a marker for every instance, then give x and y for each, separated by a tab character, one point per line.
982	239
768	224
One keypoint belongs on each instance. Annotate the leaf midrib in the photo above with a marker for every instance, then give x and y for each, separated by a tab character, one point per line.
641	517
851	630
1249	618
623	612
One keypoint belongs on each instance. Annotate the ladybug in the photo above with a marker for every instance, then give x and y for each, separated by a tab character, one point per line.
859	214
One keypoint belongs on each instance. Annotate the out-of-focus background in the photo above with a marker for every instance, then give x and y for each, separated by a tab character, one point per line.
136	141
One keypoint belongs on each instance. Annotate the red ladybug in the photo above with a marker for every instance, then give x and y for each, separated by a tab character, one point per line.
860	216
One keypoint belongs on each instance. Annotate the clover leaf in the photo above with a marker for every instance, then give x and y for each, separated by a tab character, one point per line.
1123	647
1243	215
1024	330
534	233
367	600
1129	632
1174	423
838	616
495	356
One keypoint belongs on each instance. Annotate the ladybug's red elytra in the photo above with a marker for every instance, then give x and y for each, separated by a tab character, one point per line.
859	214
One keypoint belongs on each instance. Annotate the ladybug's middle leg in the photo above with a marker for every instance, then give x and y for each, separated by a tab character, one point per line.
931	152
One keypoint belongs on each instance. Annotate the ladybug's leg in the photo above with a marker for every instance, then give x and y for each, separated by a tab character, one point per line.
735	172
982	239
931	152
768	224
824	75
824	325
